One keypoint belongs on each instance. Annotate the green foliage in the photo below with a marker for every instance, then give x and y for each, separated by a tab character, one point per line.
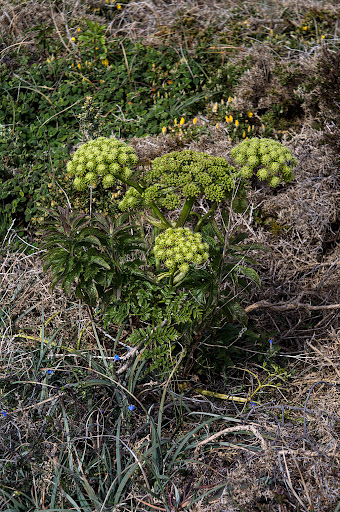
93	41
87	253
167	315
268	159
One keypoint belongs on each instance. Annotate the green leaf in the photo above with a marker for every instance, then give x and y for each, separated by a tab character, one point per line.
251	274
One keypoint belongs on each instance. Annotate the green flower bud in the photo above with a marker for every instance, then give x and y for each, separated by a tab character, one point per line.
108	181
115	168
246	172
79	183
80	170
102	169
253	161
275	167
122	158
90	178
274	182
71	168
91	165
263	174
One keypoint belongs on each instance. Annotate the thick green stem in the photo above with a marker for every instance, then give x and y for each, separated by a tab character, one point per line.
205	217
156	211
185	212
133	184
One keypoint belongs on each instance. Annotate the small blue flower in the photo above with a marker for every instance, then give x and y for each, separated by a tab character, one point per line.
116	358
101	410
128	348
131	407
49	372
270	342
4	413
252	404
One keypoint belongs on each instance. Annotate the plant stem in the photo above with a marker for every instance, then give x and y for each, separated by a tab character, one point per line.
205	217
155	210
185	212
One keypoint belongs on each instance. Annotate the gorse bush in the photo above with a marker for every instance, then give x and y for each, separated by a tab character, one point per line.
112	269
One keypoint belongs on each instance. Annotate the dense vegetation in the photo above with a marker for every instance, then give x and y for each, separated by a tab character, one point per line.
168	256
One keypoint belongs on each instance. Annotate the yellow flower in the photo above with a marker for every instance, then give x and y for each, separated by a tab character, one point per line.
175	121
227	119
230	99
236	123
304	27
222	101
194	120
323	37
249	128
79	29
231	118
271	32
182	121
250	114
79	65
217	126
243	134
215	107
72	65
73	39
105	62
119	6
164	130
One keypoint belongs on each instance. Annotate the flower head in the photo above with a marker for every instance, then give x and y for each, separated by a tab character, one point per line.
103	159
131	407
116	358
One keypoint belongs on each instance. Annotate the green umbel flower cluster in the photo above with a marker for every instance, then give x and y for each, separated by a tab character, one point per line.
101	160
178	247
268	159
132	199
186	174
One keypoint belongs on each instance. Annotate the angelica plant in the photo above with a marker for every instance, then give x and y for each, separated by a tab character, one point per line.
177	179
101	160
179	248
267	159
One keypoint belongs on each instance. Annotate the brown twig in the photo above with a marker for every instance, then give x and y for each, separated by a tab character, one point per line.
289	306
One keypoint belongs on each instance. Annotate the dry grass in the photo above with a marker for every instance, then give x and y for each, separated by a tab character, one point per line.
291	462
